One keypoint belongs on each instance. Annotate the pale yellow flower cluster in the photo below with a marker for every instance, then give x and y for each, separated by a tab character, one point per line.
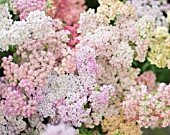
118	125
159	53
168	17
161	32
112	8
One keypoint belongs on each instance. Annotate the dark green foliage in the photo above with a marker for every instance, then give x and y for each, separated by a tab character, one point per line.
92	4
85	131
162	74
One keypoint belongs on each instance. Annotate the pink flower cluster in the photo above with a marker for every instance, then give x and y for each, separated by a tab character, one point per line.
148	78
101	97
68	62
82	75
72	111
37	69
79	108
66	10
24	7
149	109
86	62
74	35
21	100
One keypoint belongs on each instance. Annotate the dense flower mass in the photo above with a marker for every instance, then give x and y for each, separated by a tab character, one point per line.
67	71
11	124
66	10
120	126
112	8
159	48
24	7
150	109
153	8
5	24
148	79
36	26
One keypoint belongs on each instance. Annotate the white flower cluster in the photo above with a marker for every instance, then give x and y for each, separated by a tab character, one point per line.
36	26
106	40
149	7
40	25
146	26
5	18
5	24
11	124
58	87
89	21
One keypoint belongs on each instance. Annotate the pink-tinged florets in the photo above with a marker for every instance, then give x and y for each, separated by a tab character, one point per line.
24	7
66	10
21	100
150	109
148	78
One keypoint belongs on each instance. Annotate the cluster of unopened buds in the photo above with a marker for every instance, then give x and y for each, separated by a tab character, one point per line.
76	72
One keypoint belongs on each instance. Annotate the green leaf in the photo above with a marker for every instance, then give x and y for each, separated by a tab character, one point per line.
32	132
97	88
145	66
12	48
155	92
123	1
46	47
118	133
3	1
15	59
85	131
112	22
